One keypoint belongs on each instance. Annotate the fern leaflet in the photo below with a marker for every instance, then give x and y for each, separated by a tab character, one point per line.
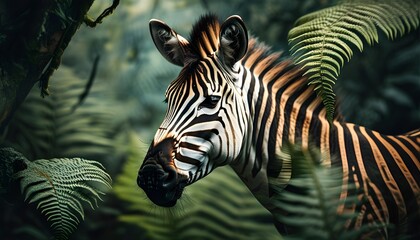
321	40
59	187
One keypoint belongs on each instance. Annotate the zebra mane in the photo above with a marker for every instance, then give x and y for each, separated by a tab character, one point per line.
204	37
276	70
271	66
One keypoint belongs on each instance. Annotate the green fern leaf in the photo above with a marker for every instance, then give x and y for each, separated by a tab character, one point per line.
322	40
59	187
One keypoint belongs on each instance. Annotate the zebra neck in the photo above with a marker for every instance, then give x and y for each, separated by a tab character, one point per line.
282	108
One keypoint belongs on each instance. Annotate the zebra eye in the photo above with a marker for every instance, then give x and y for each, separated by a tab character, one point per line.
210	102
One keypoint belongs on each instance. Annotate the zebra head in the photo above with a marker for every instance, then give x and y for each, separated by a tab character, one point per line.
204	126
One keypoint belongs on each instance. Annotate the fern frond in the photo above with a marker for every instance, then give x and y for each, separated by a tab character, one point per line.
322	40
59	187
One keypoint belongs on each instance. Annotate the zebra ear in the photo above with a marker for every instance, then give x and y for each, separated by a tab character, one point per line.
233	40
171	45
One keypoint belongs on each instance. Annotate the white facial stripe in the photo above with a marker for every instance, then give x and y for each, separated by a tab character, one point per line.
191	153
184	166
205	126
202	144
208	111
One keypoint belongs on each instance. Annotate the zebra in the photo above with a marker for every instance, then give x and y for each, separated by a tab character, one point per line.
235	102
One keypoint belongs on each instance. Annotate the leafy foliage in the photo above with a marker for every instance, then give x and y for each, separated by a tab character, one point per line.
48	128
45	128
311	200
322	39
60	186
217	207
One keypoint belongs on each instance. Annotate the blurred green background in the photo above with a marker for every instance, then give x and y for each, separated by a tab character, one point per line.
379	88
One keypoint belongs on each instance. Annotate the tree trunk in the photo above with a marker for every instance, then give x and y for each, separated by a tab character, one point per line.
33	36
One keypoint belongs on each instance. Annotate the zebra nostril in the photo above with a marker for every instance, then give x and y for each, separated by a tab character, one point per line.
171	179
153	175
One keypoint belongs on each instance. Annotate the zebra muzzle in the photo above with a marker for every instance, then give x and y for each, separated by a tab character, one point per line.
158	177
